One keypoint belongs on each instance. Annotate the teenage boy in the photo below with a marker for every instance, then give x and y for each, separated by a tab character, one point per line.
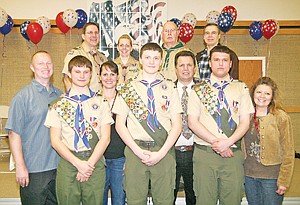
80	132
149	122
219	111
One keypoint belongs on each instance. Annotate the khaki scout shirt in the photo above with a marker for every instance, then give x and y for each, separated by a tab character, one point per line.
85	51
96	111
133	68
167	105
238	98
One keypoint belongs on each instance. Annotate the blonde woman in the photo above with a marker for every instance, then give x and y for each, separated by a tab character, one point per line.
127	65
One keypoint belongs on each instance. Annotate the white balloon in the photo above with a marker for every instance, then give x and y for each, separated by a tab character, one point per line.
189	18
3	17
212	17
70	17
45	23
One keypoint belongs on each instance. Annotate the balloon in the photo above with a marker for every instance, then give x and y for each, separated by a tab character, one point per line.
35	32
212	17
45	23
269	28
23	29
60	23
3	17
189	18
70	17
255	30
176	21
225	21
231	10
186	32
82	18
277	26
7	27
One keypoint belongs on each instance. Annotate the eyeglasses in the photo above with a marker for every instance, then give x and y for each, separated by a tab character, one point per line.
170	30
91	33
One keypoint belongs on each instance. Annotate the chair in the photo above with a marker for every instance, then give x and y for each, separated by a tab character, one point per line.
5	152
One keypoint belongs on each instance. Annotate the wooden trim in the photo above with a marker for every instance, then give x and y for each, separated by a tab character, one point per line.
287	27
292	109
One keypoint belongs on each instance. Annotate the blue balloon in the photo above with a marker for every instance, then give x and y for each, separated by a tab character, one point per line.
7	27
82	18
225	21
176	21
255	30
23	29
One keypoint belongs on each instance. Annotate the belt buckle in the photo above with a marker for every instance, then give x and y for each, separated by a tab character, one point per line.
182	149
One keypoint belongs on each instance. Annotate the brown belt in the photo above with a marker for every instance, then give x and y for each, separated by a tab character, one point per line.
184	148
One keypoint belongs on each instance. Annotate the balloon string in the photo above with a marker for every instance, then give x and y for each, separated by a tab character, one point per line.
269	54
2	66
256	48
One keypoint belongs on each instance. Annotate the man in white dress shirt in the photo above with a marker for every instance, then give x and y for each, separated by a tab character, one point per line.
185	64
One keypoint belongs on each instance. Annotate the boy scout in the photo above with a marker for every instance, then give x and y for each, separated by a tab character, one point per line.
219	113
80	132
150	106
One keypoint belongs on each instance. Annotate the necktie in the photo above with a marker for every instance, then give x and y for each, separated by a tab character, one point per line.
151	118
79	119
186	132
222	98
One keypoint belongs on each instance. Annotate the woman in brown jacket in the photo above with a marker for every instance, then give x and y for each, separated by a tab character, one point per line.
268	147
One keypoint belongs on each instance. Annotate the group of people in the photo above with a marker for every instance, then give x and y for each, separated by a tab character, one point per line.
130	126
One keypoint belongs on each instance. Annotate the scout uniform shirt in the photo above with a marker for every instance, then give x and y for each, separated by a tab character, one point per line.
238	98
96	63
132	68
95	110
167	105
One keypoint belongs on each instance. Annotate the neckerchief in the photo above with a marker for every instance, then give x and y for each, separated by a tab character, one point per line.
79	126
151	118
222	98
168	51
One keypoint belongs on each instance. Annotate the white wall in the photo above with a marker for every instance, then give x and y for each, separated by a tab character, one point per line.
247	9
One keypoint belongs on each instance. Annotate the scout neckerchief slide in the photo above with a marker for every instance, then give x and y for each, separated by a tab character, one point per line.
75	119
140	111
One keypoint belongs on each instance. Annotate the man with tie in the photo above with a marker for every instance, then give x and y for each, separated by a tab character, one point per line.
185	64
149	122
89	49
219	111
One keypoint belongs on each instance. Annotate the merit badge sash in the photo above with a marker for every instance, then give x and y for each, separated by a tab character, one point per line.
140	111
67	111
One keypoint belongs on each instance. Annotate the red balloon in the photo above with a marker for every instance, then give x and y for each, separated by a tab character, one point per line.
35	32
231	10
269	28
61	24
186	32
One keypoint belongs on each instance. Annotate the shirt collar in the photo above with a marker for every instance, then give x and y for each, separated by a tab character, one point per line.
85	92
180	85
214	79
42	88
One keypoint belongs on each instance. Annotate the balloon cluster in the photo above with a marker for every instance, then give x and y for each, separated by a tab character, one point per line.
6	22
34	31
70	18
268	29
186	26
224	20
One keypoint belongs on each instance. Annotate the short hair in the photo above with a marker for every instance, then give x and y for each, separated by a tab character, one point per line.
125	36
185	53
89	24
151	47
37	52
211	24
79	61
275	103
111	65
221	49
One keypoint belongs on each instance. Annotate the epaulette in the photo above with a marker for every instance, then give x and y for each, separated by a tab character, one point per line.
99	93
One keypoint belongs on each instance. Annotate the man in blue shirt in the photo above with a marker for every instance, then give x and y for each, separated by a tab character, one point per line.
36	161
